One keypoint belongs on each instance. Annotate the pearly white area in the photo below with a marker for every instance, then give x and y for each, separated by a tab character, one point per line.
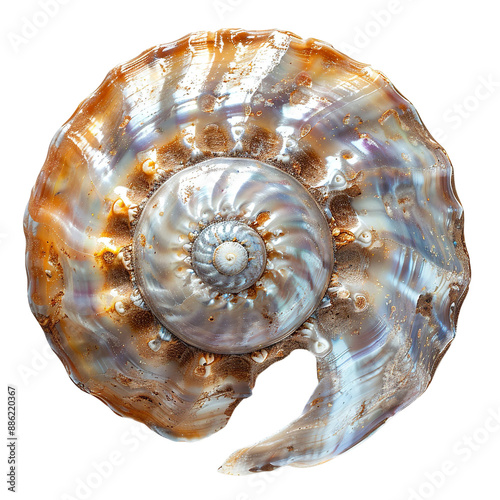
230	258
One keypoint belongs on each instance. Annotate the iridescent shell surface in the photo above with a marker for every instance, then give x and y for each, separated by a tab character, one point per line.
342	194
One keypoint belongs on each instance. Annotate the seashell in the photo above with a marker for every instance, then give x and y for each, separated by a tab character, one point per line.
225	199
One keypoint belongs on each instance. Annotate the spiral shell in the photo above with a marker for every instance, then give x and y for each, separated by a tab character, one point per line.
225	199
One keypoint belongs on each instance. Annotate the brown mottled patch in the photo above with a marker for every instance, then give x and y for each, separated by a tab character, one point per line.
139	184
298	97
306	164
455	291
335	61
141	398
344	215
260	143
207	103
214	138
353	191
303	79
177	350
117	228
360	302
265	235
143	322
187	193
262	218
54	260
123	379
108	257
252	292
340	316
305	129
44	322
142	240
342	238
387	114
56	300
200	371
424	305
264	468
174	153
234	365
351	263
116	276
125	122
460	291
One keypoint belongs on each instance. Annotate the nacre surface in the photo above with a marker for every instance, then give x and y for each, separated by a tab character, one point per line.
232	200
227	198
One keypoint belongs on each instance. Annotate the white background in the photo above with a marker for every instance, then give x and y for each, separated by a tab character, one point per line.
443	56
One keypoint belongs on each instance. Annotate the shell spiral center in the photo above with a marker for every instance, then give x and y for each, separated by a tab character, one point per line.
232	255
229	255
230	258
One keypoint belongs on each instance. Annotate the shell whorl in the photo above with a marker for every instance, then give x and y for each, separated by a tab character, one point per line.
285	243
229	255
